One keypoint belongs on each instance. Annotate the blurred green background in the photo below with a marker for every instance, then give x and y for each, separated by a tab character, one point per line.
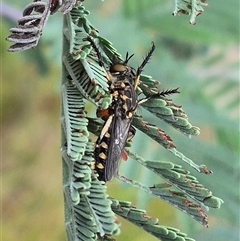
203	60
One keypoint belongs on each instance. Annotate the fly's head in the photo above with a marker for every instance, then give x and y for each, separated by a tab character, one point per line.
121	71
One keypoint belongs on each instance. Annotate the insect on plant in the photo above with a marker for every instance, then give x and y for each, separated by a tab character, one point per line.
93	70
117	129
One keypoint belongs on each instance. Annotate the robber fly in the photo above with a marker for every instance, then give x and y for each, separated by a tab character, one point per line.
117	130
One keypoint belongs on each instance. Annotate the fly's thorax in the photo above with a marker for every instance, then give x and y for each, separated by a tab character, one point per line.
123	92
126	101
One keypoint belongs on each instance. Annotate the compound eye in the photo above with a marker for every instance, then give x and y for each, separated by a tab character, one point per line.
117	68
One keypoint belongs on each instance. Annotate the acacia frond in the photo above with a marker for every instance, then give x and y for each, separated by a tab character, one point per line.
189	7
28	32
81	63
140	218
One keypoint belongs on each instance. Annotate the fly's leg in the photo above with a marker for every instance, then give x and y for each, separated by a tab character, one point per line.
140	68
163	93
99	55
131	133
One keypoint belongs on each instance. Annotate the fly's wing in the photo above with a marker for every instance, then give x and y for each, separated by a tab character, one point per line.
119	134
110	144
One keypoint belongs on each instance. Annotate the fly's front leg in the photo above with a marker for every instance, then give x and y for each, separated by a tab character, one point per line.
99	55
140	68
